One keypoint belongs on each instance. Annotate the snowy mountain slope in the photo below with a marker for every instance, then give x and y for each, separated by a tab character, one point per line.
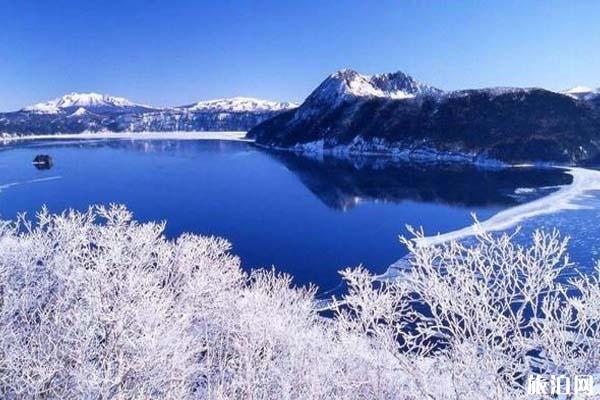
80	112
94	102
348	84
235	114
239	104
398	85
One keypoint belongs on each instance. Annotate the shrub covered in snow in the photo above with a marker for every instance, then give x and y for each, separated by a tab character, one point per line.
96	306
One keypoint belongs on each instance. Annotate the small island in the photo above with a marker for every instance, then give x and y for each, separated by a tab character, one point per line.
42	161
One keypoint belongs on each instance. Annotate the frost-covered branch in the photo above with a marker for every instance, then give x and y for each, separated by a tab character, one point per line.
94	305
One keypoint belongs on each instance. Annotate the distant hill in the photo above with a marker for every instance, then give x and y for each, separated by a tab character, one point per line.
79	112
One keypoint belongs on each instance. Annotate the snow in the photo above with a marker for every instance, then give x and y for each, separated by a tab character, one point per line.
582	93
577	90
86	100
79	112
80	100
88	297
44	108
584	181
240	104
524	190
361	85
349	83
230	136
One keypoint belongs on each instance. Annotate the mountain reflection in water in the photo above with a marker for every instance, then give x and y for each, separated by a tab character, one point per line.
343	183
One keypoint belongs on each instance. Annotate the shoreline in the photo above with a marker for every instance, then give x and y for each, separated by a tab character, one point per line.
238	136
417	156
584	181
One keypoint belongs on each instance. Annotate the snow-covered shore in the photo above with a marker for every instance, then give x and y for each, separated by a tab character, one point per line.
584	181
233	136
565	198
397	152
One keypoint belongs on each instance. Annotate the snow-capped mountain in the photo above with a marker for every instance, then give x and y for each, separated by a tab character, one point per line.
233	114
350	113
78	112
94	102
348	84
239	104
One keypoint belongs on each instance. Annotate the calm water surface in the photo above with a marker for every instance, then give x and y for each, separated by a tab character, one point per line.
306	216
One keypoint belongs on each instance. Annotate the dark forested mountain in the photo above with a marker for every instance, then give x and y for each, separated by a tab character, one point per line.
79	112
394	114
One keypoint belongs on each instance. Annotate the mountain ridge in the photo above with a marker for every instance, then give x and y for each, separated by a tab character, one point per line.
503	124
77	112
388	113
347	83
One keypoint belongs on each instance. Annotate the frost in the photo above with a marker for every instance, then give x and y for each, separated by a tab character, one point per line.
94	305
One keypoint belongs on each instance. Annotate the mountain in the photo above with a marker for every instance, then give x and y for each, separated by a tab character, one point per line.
234	114
348	85
238	104
78	112
349	113
93	102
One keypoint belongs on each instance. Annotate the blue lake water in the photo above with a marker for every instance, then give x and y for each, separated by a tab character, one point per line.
308	217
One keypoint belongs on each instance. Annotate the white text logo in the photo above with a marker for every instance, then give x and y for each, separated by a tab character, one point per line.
560	385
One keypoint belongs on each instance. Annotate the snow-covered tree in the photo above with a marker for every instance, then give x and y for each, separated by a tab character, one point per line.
497	312
94	305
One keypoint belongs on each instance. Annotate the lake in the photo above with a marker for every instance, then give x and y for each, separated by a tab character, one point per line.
309	217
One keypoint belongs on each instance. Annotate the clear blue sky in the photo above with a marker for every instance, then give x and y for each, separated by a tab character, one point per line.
178	52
